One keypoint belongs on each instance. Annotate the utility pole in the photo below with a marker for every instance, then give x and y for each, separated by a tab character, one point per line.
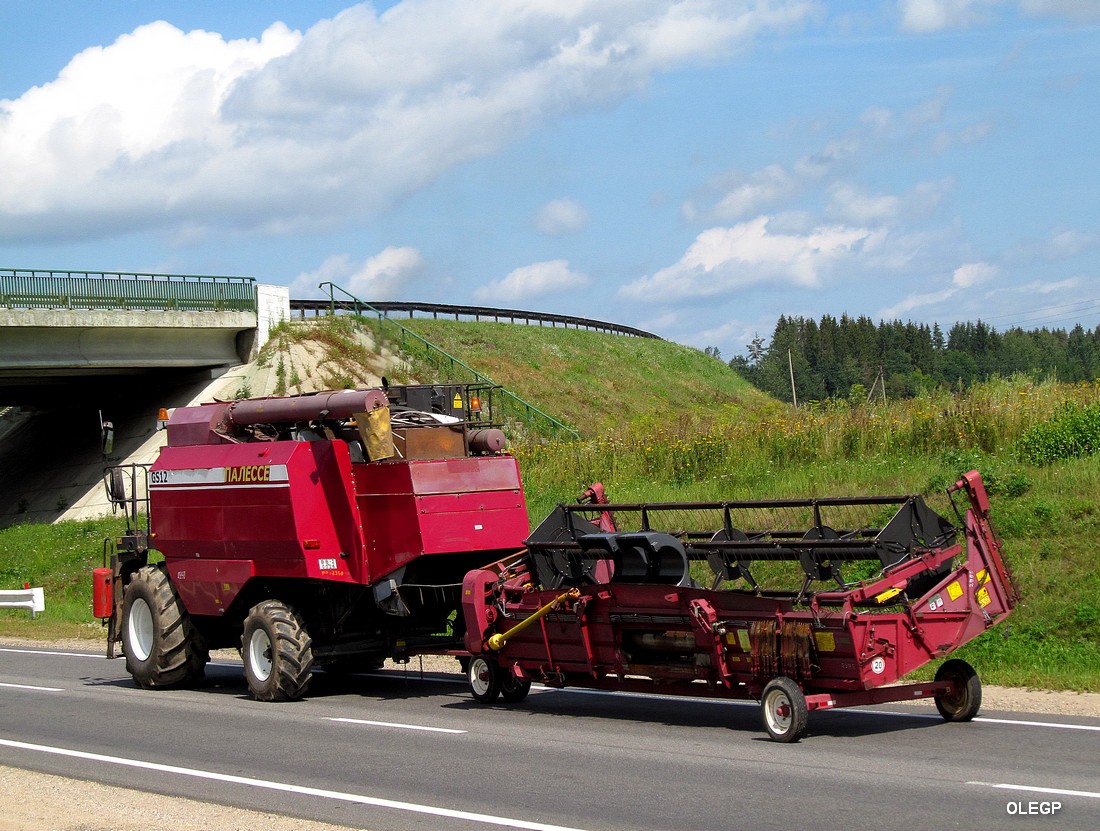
790	365
879	379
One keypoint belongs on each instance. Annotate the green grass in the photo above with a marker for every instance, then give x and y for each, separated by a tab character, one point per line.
667	423
60	559
591	381
1046	513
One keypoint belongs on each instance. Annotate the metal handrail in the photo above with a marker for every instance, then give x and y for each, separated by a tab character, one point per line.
126	291
489	312
431	348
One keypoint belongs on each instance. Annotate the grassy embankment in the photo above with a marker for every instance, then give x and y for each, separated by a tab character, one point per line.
669	424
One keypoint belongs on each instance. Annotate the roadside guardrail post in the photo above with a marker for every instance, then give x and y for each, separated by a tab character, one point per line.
27	598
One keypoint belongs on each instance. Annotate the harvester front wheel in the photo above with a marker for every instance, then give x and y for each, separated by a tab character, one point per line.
964	703
160	642
784	709
277	652
484	676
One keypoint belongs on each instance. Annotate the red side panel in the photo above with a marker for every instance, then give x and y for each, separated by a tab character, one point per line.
425	507
285	508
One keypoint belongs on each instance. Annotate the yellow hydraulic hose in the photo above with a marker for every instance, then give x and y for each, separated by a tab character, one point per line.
497	641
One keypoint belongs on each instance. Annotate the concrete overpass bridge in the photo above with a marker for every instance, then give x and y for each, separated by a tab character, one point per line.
76	347
59	329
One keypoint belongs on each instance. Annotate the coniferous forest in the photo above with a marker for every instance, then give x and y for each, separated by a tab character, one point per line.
854	358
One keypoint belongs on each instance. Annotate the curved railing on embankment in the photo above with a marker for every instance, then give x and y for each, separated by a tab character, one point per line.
436	310
522	410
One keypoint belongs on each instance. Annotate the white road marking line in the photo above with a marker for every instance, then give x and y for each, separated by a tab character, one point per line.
29	687
652	696
340	796
934	716
1037	789
62	654
393	724
1093	727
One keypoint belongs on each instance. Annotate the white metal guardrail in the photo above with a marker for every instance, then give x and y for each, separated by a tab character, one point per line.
32	599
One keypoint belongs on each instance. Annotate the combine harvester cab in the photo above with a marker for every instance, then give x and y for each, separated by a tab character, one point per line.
332	529
605	598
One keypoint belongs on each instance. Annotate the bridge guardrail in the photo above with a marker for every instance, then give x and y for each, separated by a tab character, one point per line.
94	290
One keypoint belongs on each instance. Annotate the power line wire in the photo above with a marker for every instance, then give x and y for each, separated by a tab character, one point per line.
1088	306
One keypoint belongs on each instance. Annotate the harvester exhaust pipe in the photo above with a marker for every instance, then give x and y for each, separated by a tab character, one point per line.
487	441
279	410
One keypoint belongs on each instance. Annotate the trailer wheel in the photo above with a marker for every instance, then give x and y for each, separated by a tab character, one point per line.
784	709
484	677
277	652
512	689
160	642
964	704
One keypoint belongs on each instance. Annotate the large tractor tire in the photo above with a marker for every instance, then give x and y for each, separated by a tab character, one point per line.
277	652
160	642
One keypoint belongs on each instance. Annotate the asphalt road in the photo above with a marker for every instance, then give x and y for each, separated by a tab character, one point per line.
394	751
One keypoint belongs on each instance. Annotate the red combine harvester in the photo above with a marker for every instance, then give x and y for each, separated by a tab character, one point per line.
333	528
589	606
343	528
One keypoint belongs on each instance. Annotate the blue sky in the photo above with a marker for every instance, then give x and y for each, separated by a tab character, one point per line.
692	168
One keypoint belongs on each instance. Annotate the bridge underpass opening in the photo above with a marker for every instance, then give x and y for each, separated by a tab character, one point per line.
50	441
78	345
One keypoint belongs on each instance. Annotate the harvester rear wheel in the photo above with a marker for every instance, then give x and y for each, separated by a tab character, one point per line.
784	709
484	676
964	704
277	652
160	642
512	689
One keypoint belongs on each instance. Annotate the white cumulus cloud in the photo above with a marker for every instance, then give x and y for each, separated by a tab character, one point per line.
762	189
916	301
144	111
722	260
381	277
935	15
938	15
852	204
535	280
971	274
561	217
291	131
965	276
